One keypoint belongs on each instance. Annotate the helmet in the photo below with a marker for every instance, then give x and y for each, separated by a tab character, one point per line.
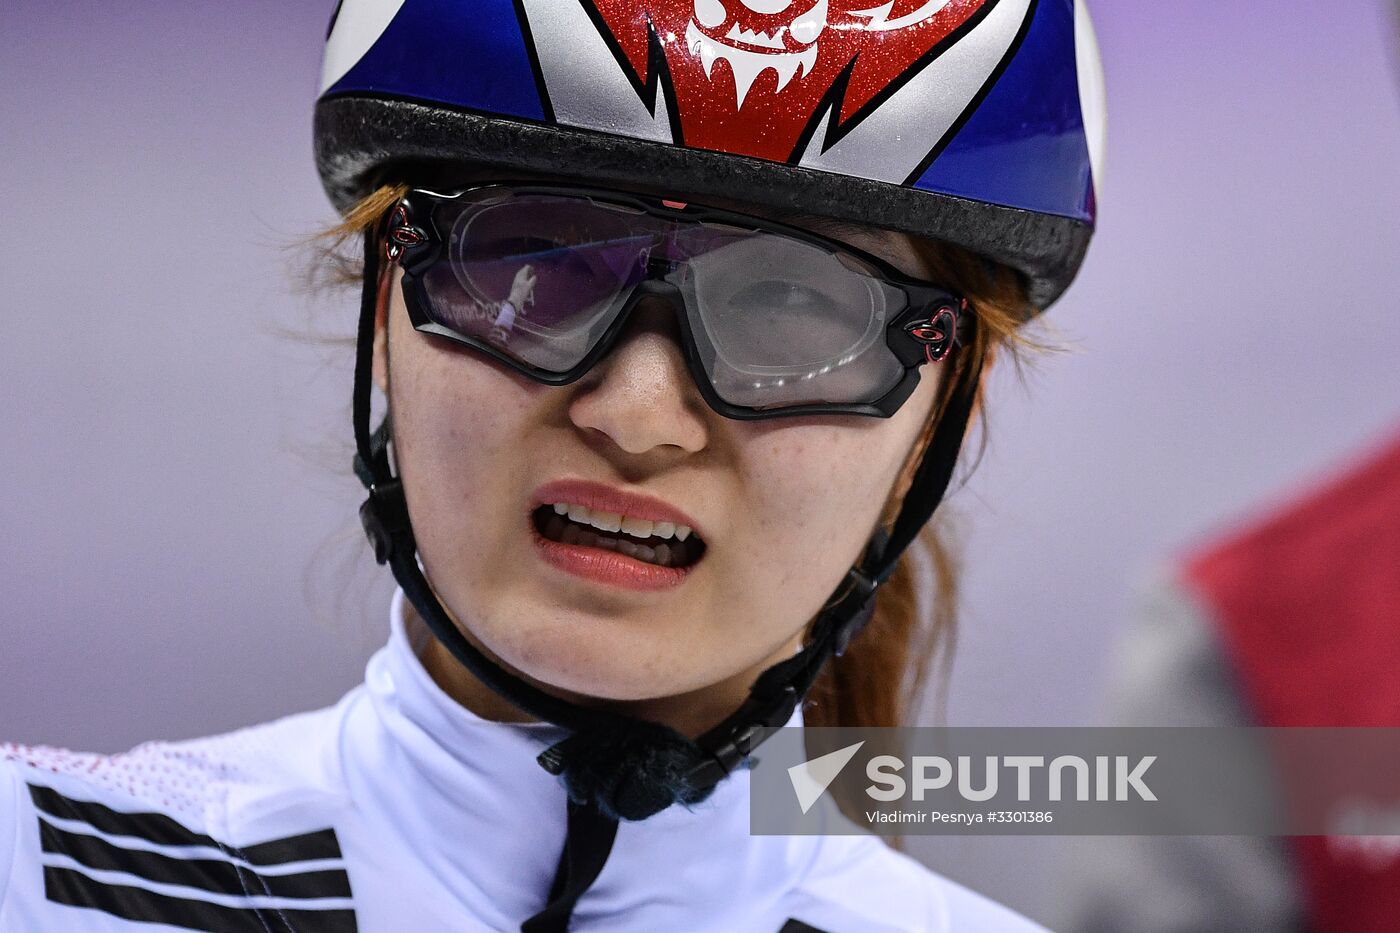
976	122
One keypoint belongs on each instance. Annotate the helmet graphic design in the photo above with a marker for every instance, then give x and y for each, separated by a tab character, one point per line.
974	121
786	65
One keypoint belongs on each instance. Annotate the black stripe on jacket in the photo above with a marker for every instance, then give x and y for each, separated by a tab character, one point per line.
208	874
229	875
66	886
162	830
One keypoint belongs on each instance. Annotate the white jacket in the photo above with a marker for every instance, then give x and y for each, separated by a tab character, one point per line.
398	810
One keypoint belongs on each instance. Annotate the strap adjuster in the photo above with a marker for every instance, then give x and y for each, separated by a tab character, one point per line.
862	593
744	737
384	516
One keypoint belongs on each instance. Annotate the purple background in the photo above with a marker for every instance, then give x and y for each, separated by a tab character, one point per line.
179	553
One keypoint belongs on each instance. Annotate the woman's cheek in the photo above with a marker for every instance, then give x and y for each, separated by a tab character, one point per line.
816	492
456	455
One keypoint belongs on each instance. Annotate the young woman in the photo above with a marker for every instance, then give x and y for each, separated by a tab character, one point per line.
680	311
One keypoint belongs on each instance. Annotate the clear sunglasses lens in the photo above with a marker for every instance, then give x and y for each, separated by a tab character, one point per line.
785	322
534	276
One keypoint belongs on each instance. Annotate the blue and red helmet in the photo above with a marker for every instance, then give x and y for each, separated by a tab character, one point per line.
978	122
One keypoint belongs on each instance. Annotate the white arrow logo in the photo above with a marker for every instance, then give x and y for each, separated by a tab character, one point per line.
811	778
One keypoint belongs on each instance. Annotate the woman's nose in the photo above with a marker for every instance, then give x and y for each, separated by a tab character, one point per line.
641	395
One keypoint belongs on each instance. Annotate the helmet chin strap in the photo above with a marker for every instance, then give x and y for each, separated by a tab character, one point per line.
625	767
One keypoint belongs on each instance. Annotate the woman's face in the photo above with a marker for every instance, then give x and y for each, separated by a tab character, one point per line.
784	507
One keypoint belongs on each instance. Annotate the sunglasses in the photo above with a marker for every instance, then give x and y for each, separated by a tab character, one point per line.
774	320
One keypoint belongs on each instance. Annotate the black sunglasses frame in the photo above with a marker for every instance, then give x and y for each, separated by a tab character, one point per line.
933	322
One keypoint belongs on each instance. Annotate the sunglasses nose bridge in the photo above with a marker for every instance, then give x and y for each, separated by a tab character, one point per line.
649	302
655	304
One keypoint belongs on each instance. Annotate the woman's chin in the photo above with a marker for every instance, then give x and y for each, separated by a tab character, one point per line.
603	665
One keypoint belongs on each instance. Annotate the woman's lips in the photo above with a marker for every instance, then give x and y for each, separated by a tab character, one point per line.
604	498
609	567
599	564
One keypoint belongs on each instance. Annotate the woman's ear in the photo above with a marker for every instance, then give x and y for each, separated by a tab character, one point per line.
381	328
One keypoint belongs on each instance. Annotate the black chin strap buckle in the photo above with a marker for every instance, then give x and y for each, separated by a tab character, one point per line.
384	516
741	739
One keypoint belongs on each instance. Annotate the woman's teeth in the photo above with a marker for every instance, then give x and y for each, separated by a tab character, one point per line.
661	543
639	528
573	534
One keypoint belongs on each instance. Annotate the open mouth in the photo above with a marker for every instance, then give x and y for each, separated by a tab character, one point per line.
659	543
